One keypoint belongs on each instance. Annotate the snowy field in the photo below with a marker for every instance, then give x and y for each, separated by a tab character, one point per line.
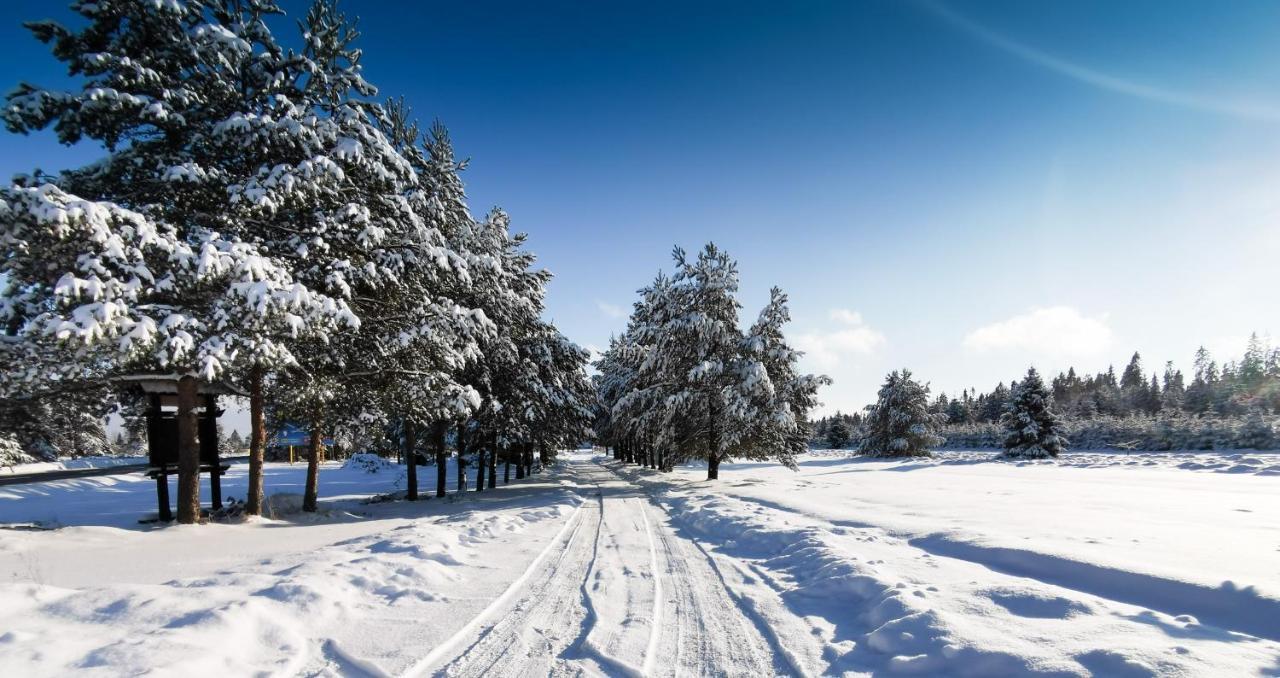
1106	564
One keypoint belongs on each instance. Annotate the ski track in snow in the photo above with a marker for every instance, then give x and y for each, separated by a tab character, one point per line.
845	596
623	595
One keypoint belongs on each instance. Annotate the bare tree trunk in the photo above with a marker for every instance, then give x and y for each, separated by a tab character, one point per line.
544	456
257	442
493	461
462	457
481	464
713	445
312	492
188	453
520	462
411	458
506	466
442	457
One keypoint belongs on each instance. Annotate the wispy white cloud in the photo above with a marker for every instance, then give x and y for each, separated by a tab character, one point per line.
1058	331
610	310
828	349
1106	81
845	316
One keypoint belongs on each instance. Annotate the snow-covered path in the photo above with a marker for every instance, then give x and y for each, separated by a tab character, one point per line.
591	603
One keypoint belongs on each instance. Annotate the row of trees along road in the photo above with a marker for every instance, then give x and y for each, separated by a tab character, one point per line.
686	381
260	218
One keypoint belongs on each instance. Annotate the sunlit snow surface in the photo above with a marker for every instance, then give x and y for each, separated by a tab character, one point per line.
1110	564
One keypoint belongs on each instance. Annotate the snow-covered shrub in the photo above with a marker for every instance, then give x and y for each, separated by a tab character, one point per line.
283	504
1158	433
11	452
1256	433
979	435
368	463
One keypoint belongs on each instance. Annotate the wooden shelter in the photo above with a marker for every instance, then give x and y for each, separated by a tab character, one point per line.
161	392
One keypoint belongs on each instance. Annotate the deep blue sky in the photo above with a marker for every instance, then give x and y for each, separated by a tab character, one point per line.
960	188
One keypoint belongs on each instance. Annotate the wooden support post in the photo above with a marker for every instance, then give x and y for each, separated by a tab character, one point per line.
162	496
215	485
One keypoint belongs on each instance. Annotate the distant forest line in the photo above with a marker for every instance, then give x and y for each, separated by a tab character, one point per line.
1233	405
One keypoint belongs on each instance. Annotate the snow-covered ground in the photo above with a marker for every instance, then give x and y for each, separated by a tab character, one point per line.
359	587
1151	564
67	464
1112	564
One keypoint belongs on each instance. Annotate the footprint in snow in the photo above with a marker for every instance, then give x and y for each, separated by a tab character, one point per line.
1036	605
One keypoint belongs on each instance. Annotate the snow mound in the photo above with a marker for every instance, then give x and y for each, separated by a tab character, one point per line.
368	463
283	504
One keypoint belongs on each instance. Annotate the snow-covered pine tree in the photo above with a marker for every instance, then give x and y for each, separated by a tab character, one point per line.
1174	391
69	424
178	284
630	384
420	334
97	290
381	232
684	381
561	406
517	392
1033	430
838	435
1256	433
777	398
993	405
900	424
696	346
